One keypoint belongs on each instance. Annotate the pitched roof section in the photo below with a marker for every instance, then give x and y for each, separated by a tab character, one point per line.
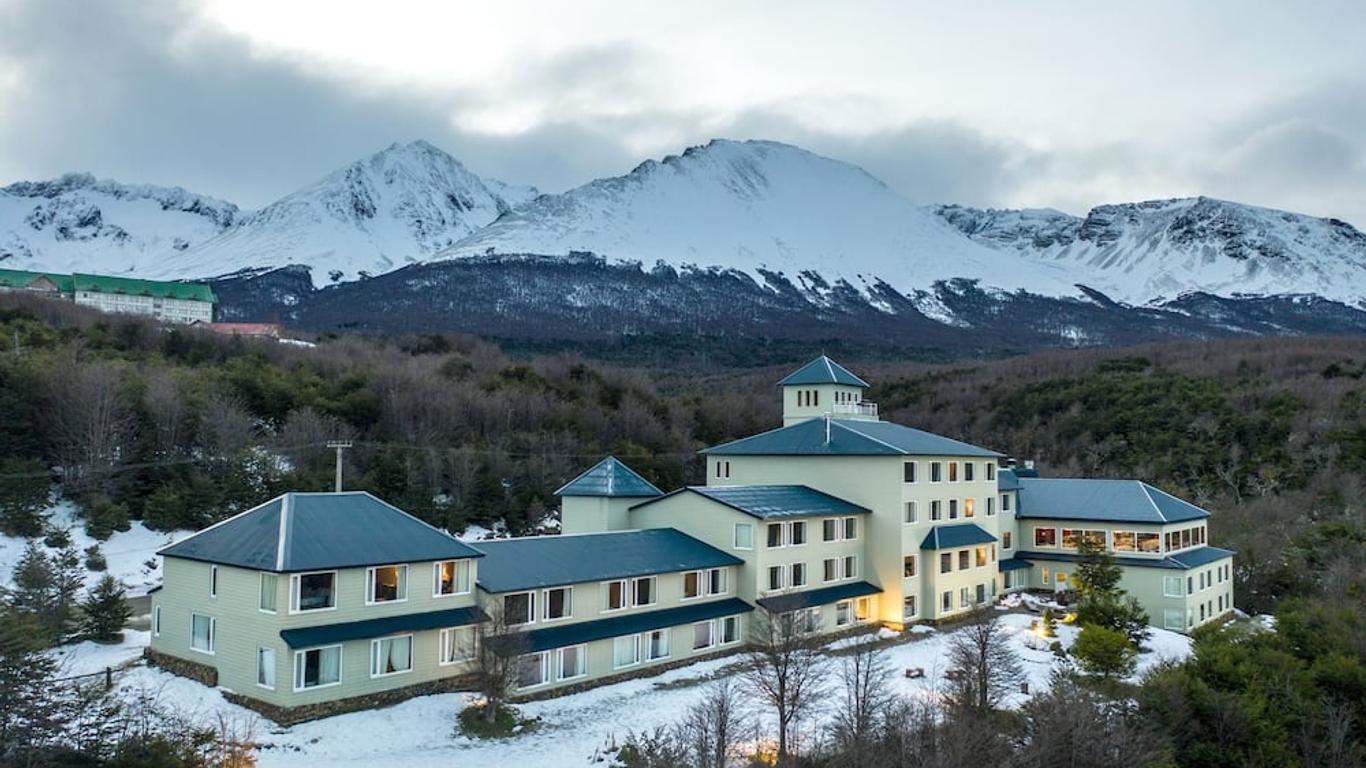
307	637
610	477
847	437
1181	561
807	598
319	531
533	562
134	287
1007	480
822	370
1118	501
778	501
629	624
960	535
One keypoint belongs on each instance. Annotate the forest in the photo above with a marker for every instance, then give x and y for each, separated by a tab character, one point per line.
180	428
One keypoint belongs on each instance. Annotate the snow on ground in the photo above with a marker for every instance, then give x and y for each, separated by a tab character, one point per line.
419	733
87	657
131	554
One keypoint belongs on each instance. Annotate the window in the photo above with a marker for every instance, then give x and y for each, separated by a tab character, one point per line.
213	581
559	603
798	575
1005	540
616	595
1005	502
775	535
270	587
744	536
718	582
911	515
991	470
909	610
1150	543
387	584
908	470
643	591
968	505
391	655
1185	538
1124	541
265	667
519	608
981	594
1190	585
964	559
1046	537
457	644
1172	619
657	645
533	669
832	569
573	662
202	631
946	601
723	469
156	621
945	562
981	556
317	667
452	578
797	533
936	509
936	471
964	597
708	582
850	566
953	509
953	471
968	467
625	651
908	567
775	578
850	528
692	585
702	635
1072	538
844	613
730	630
830	530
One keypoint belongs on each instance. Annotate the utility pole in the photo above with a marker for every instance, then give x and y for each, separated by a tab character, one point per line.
339	445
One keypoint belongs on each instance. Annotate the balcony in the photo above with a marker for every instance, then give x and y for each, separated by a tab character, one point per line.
860	410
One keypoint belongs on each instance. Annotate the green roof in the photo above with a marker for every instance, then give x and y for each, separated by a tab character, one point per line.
847	437
18	278
320	531
1117	501
960	535
822	370
133	287
610	477
774	501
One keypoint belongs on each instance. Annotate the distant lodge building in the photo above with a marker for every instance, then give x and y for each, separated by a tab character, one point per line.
314	603
170	302
257	330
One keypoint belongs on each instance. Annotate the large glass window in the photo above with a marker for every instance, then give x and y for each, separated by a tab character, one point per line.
559	603
202	632
573	662
317	667
519	608
1125	541
388	584
452	578
270	588
626	651
457	644
1072	538
265	667
1045	537
315	591
391	655
1150	543
533	669
1171	586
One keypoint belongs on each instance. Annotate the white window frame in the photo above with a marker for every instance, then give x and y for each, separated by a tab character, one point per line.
991	504
261	650
915	607
915	472
952	475
722	576
850	567
835	573
625	585
542	658
299	664
792	570
697	580
711	636
845	522
530	608
213	634
545	604
295	586
447	651
914	561
782	578
261	592
911	513
844	613
582	656
156	621
370	574
936	468
635	641
720	636
213	581
782	535
374	660
1057	538
789	536
646	637
654	591
736	539
455	578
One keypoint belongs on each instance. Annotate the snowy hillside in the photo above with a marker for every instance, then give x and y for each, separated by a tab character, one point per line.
752	205
78	224
1146	252
392	208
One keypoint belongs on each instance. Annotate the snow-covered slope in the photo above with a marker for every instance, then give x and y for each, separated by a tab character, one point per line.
78	224
1149	251
395	207
757	204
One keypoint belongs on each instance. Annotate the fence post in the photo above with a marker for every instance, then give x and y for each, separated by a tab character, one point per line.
108	678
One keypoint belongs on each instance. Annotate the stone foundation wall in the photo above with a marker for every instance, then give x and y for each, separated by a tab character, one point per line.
200	673
378	700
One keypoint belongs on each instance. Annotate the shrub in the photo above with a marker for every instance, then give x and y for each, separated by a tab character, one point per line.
1104	651
506	722
94	559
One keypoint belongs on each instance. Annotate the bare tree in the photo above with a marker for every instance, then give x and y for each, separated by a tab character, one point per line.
983	667
496	647
91	420
863	676
225	426
712	724
1072	725
787	671
169	411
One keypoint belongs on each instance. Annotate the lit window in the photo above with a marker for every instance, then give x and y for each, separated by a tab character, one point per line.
452	578
1045	537
908	566
388	584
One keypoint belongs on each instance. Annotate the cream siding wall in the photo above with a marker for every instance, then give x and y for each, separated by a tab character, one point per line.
172	310
594	514
822	399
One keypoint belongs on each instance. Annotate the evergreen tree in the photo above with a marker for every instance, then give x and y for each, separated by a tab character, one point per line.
1104	651
35	584
30	716
105	611
164	509
103	516
23	496
1101	602
68	578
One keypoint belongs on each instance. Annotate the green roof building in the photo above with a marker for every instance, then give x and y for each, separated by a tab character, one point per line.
169	301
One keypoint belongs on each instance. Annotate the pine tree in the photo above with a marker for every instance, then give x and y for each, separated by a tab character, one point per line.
68	578
30	715
105	611
35	584
24	488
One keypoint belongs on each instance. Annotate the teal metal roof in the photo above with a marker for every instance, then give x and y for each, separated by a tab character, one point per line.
1181	561
822	370
959	535
308	637
807	598
629	624
319	531
847	437
774	501
533	562
1194	558
610	477
1014	564
1007	480
1117	501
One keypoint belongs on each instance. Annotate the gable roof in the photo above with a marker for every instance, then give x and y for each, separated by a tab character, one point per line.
610	477
847	437
822	370
1120	501
134	287
1007	480
533	562
960	535
773	501
320	531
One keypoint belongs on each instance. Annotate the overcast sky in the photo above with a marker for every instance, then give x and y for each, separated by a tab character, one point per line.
1008	103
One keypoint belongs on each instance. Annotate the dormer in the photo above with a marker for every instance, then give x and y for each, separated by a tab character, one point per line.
599	499
823	387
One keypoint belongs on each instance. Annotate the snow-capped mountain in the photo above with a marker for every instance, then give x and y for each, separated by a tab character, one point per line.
78	224
1157	250
758	206
395	207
